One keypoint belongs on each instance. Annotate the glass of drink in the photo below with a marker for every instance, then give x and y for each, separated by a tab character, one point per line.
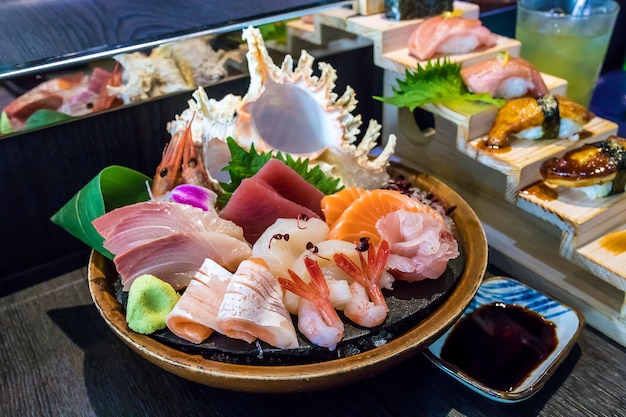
567	39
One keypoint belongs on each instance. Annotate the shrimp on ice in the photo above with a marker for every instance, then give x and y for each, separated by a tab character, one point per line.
317	318
367	306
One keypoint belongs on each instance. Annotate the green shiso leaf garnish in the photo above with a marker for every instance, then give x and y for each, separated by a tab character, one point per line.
245	163
115	186
438	82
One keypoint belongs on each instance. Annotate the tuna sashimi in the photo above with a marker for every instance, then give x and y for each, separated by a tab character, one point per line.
253	307
255	206
194	317
136	224
176	258
291	185
449	35
508	77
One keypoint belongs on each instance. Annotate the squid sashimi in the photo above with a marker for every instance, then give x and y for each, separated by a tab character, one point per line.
447	34
504	77
253	307
547	117
420	244
255	206
194	317
291	185
285	240
176	258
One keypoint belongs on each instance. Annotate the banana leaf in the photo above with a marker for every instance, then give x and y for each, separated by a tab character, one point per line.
115	186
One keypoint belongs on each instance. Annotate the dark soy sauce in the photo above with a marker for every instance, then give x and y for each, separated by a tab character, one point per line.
500	344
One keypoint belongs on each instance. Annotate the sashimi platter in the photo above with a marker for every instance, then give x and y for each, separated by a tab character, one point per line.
271	251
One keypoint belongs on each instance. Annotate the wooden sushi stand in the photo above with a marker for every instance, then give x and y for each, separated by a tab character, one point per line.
570	247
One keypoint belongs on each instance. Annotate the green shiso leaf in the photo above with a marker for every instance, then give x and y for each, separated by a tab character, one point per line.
115	186
5	124
437	82
45	117
245	163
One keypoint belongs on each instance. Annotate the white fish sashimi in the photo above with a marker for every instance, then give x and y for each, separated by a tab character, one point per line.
194	317
253	307
133	225
420	245
285	240
176	258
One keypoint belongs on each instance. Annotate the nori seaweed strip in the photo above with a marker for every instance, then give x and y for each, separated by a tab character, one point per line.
617	154
415	9
615	151
551	116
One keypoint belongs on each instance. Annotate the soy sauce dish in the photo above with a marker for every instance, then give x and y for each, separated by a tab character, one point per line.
508	342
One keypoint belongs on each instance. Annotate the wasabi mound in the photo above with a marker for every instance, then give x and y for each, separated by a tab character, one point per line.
149	301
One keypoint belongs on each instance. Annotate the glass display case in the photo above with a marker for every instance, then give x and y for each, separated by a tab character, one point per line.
45	165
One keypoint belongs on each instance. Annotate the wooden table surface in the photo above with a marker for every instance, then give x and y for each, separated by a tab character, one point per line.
58	358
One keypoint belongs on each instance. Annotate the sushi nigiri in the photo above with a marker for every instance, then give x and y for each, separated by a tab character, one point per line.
449	34
547	117
598	169
504	77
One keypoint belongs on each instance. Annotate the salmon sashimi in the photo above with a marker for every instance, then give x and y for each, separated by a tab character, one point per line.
446	35
334	204
504	77
194	317
359	219
253	307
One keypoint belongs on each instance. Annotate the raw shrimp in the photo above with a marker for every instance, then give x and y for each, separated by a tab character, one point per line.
181	164
168	171
367	306
193	170
337	280
317	319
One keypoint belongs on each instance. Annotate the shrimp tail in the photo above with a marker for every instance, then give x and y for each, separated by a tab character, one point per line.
316	291
369	274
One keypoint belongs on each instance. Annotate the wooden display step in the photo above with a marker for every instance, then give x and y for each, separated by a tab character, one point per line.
526	246
522	162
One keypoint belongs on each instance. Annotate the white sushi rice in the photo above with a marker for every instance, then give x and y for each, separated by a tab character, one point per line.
513	87
567	129
593	192
459	45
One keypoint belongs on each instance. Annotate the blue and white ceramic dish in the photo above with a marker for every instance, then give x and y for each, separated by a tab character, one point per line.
568	324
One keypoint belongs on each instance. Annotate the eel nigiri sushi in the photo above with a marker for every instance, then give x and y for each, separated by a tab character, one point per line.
449	34
598	169
504	77
546	117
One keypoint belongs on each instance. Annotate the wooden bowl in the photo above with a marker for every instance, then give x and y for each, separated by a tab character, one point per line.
308	377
